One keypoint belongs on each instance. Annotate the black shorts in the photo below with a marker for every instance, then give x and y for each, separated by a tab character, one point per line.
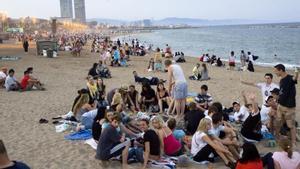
203	154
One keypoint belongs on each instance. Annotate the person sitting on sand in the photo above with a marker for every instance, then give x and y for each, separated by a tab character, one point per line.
116	100
265	110
240	112
27	83
92	87
163	97
151	65
250	157
168	53
30	70
6	163
148	97
158	60
192	118
93	71
204	148
97	123
112	144
178	133
288	158
3	75
132	99
196	72
168	143
102	70
230	139
11	83
203	99
151	143
123	90
219	62
231	61
150	80
116	57
179	57
204	73
86	107
82	99
251	128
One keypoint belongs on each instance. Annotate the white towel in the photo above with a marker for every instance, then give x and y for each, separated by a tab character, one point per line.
92	143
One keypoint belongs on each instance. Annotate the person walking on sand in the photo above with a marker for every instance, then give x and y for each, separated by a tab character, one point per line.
177	83
25	45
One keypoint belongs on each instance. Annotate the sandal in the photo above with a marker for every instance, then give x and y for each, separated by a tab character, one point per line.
43	121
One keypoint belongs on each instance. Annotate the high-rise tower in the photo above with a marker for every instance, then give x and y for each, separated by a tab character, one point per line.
66	8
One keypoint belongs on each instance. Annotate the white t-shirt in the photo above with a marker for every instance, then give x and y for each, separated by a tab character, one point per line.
197	142
231	59
250	58
9	81
285	162
266	89
242	114
2	75
216	131
264	113
178	74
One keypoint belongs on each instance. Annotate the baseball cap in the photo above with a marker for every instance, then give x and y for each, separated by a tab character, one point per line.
275	91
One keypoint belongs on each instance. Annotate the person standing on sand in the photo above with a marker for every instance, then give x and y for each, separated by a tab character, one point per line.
6	163
243	58
286	110
25	45
231	60
177	83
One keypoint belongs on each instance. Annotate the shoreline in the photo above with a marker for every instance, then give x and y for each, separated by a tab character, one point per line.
260	64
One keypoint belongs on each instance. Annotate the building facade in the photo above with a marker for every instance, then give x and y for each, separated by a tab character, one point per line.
66	8
79	7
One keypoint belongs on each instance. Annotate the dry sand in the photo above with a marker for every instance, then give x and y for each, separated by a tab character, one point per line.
41	147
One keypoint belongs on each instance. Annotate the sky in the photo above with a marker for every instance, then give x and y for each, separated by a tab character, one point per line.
277	10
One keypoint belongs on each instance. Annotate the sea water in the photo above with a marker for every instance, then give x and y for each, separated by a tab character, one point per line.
264	40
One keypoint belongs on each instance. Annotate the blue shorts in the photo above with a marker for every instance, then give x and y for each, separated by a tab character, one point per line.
180	90
157	66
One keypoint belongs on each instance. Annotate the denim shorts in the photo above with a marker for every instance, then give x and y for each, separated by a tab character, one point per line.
180	90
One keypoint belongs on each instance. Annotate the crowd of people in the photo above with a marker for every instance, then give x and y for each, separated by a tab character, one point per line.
27	83
246	61
147	125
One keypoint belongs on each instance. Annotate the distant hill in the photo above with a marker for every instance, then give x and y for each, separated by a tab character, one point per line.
185	21
108	21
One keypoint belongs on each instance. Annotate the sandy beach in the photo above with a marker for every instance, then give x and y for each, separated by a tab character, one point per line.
41	147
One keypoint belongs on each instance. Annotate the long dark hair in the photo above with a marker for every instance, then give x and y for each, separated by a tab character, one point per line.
157	87
204	67
250	153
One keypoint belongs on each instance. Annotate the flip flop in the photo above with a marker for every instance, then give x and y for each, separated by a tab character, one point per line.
43	121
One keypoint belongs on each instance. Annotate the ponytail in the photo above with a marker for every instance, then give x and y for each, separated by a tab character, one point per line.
289	151
286	145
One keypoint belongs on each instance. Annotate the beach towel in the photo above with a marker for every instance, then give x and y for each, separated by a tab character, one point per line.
192	94
91	142
164	163
61	128
81	135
